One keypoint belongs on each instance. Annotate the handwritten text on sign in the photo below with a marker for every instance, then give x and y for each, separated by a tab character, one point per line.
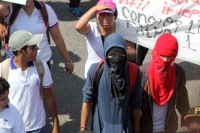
152	18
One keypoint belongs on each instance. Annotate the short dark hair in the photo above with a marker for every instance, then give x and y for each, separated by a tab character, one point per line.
16	52
4	86
116	13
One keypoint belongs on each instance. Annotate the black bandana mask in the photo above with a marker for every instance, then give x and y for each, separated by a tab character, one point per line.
117	61
117	76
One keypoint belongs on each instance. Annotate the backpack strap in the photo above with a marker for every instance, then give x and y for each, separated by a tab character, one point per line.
40	70
132	75
178	73
12	19
44	14
144	72
178	78
95	83
5	67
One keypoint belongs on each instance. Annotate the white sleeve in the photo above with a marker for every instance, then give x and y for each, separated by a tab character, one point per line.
18	122
47	79
53	20
93	30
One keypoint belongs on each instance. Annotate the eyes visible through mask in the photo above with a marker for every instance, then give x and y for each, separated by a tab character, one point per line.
116	54
116	61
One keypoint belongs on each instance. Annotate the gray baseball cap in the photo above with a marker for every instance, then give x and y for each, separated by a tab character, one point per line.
22	38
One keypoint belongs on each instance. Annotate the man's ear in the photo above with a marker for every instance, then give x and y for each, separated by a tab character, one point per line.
20	51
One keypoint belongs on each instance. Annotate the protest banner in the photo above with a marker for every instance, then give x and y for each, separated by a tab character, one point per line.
22	2
151	18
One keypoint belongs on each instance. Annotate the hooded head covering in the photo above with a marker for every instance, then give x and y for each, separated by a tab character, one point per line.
162	74
113	44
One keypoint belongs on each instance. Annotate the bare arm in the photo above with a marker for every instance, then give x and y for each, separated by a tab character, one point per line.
130	49
51	105
4	9
84	115
58	39
82	25
135	113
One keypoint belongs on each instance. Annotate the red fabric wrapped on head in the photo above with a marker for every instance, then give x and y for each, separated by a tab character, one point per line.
162	74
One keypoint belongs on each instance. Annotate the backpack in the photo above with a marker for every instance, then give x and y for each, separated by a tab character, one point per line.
97	75
14	14
5	67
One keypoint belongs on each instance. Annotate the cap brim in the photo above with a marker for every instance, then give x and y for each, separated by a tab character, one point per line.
35	39
107	11
192	115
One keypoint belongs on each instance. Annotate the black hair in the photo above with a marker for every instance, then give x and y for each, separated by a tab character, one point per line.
4	86
16	52
116	13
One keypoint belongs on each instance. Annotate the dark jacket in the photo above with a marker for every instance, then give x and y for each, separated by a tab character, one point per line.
179	101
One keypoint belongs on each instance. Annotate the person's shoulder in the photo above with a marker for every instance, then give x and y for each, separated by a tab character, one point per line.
179	66
179	69
48	7
93	67
12	108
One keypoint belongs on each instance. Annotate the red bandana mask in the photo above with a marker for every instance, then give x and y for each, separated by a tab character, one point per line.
162	74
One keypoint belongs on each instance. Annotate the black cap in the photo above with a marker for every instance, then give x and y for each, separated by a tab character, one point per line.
193	112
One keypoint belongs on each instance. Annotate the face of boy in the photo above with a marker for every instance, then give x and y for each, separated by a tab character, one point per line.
194	126
4	100
106	20
30	53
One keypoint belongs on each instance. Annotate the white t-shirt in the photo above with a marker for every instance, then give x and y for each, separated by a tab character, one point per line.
35	25
11	121
94	42
159	116
24	94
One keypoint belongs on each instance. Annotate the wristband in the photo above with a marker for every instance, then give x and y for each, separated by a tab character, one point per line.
83	128
68	63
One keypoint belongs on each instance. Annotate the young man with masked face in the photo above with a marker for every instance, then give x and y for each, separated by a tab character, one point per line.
164	89
114	100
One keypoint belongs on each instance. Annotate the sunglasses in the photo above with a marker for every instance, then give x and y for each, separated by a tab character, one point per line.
34	48
194	131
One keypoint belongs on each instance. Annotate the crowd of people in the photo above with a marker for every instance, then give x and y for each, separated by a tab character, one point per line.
121	94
